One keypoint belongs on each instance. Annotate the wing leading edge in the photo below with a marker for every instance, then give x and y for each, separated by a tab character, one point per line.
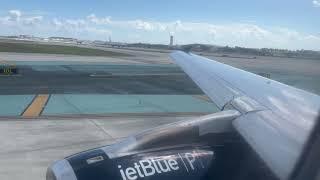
276	119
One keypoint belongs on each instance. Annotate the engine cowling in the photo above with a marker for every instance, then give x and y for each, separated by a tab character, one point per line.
187	162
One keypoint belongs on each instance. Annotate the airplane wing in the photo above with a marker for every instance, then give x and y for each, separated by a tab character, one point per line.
259	117
276	119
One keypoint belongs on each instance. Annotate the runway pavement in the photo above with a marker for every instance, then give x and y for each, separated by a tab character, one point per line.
76	102
78	88
29	147
97	78
59	105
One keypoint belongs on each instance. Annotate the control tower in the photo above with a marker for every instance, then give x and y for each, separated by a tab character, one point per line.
171	40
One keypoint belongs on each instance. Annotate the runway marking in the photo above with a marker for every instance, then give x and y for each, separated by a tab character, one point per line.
129	75
203	97
15	75
37	105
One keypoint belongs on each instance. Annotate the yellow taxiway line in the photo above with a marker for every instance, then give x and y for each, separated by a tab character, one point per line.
203	97
36	107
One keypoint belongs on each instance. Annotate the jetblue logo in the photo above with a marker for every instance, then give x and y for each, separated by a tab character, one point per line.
158	165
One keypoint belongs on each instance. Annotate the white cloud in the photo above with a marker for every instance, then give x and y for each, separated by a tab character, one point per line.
33	20
57	23
94	19
92	27
79	28
16	18
142	25
316	3
14	15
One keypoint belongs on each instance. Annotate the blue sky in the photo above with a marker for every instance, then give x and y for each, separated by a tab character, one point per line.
292	24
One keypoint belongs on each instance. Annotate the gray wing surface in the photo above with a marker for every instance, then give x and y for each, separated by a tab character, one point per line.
276	118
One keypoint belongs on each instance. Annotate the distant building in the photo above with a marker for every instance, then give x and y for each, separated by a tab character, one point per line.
99	42
63	39
84	42
25	37
117	44
171	40
22	38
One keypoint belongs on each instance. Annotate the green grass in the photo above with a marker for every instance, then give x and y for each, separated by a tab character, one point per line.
55	49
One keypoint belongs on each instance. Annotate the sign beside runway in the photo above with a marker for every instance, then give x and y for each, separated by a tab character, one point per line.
8	68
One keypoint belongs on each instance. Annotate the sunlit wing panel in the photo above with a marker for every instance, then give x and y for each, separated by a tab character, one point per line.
276	132
203	74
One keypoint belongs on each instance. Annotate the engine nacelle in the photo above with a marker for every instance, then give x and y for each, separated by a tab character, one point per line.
191	162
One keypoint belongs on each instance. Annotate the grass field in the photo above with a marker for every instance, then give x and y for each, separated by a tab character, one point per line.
55	49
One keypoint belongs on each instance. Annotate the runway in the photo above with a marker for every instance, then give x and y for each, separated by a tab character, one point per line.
28	147
78	88
59	105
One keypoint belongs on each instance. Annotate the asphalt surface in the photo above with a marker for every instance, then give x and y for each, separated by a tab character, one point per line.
30	145
98	78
